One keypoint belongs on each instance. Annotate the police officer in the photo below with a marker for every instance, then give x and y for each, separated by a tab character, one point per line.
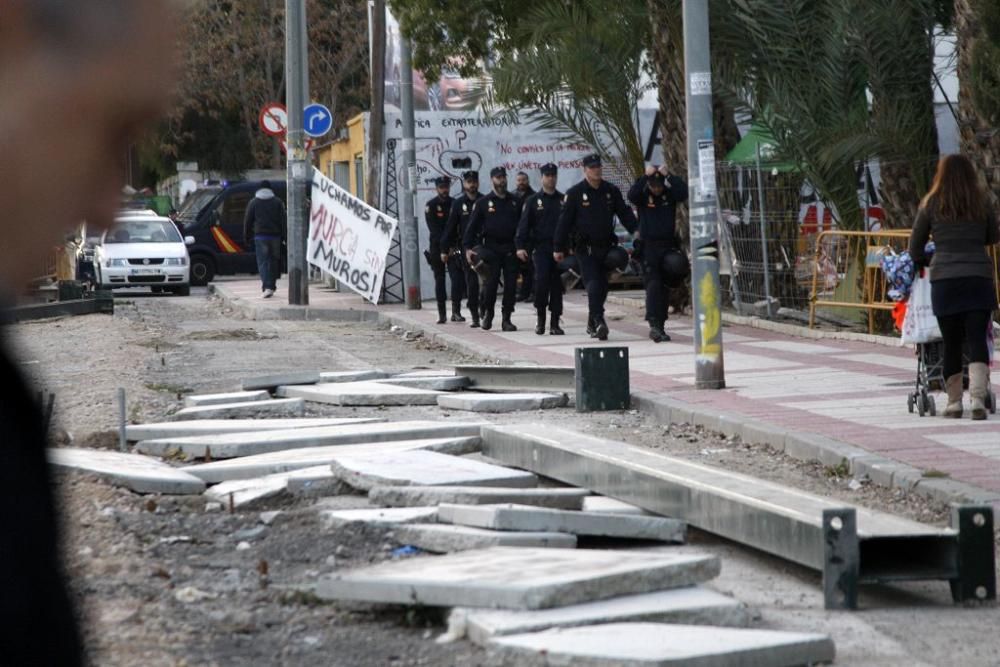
454	232
436	213
589	210
522	190
655	196
539	215
492	227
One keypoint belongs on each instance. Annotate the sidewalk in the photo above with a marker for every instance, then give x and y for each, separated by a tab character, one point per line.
822	398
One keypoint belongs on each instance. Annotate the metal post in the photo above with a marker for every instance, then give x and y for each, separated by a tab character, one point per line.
408	233
703	203
299	176
122	439
763	237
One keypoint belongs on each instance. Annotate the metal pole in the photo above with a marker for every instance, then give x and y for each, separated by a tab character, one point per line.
763	237
299	177
122	439
408	234
709	370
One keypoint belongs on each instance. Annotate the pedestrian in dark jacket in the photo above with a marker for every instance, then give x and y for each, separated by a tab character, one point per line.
265	227
963	294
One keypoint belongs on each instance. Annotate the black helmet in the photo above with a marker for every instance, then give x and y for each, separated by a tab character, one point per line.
616	259
675	267
485	262
570	263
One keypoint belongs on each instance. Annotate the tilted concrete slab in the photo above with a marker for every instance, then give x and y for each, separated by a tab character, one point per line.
271	382
475	402
537	378
197	427
227	446
446	539
134	471
518	577
196	400
426	373
604	504
248	493
378	516
284	407
441	383
693	605
409	496
246	467
360	394
351	376
662	645
526	518
423	468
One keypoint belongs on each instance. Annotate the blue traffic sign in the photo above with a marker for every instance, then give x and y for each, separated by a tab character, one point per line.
316	120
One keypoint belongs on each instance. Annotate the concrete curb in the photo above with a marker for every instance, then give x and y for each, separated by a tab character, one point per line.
799	445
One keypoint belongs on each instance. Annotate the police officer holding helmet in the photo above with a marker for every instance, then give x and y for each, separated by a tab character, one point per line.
454	232
655	196
539	216
489	237
438	255
589	210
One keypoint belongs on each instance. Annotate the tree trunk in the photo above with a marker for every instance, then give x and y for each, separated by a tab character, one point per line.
980	140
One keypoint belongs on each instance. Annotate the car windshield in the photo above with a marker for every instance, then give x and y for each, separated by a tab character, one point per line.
143	231
195	202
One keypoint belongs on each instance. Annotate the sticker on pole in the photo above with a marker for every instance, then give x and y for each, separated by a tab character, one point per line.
701	83
316	120
348	239
706	170
274	119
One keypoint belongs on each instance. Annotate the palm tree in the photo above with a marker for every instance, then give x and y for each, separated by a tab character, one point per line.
977	27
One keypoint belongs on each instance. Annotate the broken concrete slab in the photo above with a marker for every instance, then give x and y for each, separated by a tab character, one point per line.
519	577
409	496
379	516
142	474
443	383
604	504
248	493
446	539
526	518
232	445
271	382
195	400
520	378
693	605
196	427
285	407
423	468
661	645
474	402
350	376
246	467
360	394
426	373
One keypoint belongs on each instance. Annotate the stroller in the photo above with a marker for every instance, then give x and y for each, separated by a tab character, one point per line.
930	377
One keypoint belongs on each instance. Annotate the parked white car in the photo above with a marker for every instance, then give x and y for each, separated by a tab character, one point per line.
143	250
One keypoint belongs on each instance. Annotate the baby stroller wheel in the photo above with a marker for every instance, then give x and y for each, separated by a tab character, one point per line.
909	403
991	402
931	406
921	405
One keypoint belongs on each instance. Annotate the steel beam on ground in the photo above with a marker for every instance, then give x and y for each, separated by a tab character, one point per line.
509	378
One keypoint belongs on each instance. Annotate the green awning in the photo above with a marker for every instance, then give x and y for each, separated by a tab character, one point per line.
745	152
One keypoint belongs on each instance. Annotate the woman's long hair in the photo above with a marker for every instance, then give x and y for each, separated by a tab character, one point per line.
955	193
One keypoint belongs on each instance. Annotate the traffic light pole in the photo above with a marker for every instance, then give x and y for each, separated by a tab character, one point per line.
408	231
299	174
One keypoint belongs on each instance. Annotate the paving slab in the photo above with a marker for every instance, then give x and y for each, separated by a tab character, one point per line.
661	645
195	427
604	504
475	402
519	577
271	382
350	376
232	445
284	407
441	383
360	394
693	605
259	465
423	468
142	474
410	496
195	400
426	373
526	518
446	539
247	493
378	516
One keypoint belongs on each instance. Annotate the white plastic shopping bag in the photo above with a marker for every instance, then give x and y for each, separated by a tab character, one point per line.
920	325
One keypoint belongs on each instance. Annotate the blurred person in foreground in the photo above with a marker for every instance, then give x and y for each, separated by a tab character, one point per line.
963	295
77	82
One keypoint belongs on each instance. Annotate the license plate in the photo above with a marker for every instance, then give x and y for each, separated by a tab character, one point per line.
145	272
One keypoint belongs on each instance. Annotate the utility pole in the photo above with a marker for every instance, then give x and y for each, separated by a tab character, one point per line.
299	174
376	117
703	200
408	232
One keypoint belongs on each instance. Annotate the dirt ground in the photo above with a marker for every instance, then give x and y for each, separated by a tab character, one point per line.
161	581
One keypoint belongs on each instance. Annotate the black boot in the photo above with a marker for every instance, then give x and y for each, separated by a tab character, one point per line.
657	334
591	327
442	314
554	328
487	323
506	324
540	324
475	321
600	328
456	314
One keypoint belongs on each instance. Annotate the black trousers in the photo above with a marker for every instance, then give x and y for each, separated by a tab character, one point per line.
507	265
456	276
653	281
964	330
548	284
595	278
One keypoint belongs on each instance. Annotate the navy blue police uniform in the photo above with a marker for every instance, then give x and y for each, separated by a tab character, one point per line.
436	212
451	239
536	232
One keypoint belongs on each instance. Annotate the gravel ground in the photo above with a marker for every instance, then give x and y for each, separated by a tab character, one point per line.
161	581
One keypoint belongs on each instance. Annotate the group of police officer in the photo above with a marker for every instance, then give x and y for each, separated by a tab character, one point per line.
477	240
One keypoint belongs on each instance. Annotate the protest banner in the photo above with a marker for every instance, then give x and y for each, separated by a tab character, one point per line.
348	239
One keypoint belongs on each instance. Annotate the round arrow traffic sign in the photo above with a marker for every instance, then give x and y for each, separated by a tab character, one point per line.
316	120
274	119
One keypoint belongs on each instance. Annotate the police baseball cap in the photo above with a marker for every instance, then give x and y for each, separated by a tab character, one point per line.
497	171
470	176
592	160
442	180
549	168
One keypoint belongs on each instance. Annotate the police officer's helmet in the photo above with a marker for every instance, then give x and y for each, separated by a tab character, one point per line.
616	259
675	267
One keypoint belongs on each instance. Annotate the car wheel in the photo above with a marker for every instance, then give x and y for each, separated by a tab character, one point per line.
202	269
182	291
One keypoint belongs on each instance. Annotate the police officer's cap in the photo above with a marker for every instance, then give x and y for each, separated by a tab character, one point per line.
592	160
470	176
442	180
549	169
497	171
656	178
